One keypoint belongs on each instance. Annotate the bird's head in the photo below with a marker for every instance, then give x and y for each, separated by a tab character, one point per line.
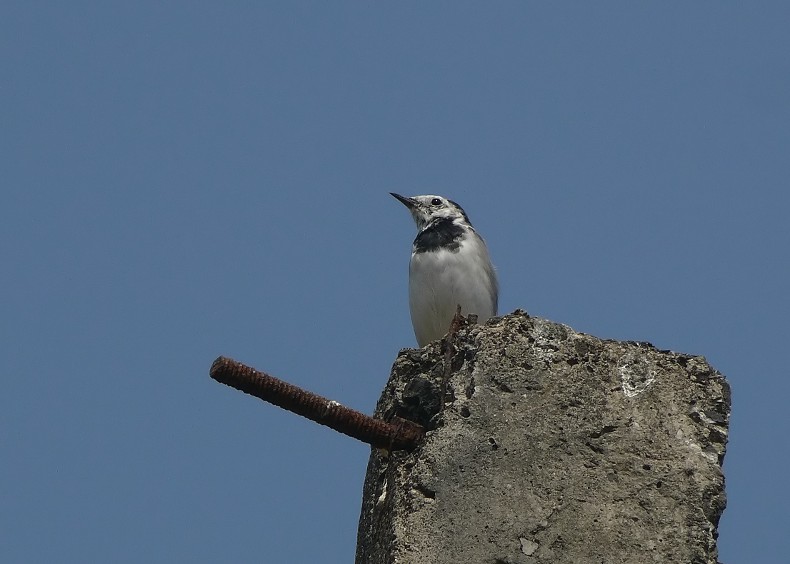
425	209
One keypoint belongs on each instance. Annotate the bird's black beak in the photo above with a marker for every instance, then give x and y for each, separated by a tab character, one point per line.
408	202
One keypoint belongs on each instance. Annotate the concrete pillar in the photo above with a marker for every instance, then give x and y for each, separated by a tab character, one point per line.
553	446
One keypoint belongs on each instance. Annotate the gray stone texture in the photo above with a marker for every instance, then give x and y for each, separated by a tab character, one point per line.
553	446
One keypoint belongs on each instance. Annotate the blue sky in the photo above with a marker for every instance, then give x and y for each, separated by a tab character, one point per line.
190	180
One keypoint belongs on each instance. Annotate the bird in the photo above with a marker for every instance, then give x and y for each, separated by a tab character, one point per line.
449	267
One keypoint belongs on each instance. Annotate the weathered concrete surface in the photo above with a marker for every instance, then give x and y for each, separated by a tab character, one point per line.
557	447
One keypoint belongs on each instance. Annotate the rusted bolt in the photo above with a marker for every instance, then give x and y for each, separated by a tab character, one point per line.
398	434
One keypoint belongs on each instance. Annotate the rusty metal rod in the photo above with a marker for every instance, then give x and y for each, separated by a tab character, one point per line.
396	435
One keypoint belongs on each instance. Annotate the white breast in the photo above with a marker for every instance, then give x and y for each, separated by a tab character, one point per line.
441	280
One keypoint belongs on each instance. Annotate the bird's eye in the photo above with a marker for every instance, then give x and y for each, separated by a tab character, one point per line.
436	202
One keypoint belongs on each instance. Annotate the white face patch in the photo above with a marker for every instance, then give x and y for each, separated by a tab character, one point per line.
431	207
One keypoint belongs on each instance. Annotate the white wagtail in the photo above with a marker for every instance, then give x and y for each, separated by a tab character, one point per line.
449	267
